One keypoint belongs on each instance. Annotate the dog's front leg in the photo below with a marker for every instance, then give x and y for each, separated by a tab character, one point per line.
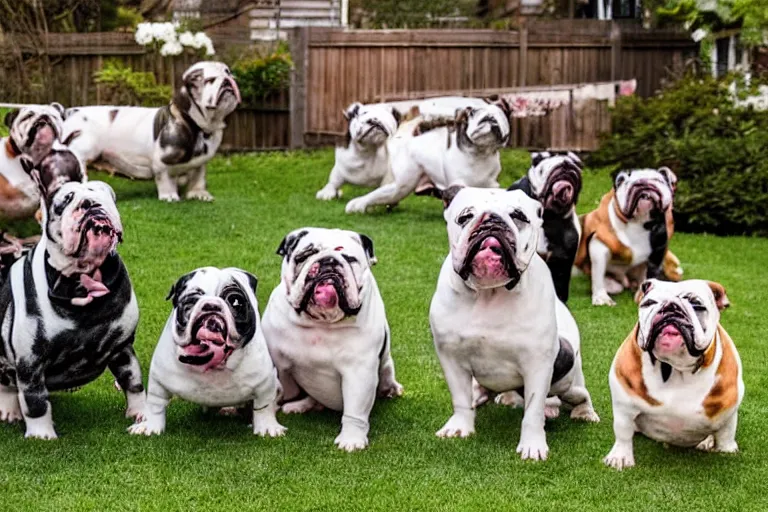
127	371
533	439
358	392
33	397
154	411
197	187
167	188
622	454
332	189
599	254
389	194
459	379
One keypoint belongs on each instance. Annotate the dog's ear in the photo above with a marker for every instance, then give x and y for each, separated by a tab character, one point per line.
538	157
575	159
504	106
178	287
721	299
58	107
252	280
56	169
670	176
352	110
397	115
620	178
643	290
11	116
184	97
289	243
449	194
367	244
462	115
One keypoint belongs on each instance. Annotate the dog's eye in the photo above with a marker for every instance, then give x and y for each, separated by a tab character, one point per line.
236	300
59	208
648	303
210	80
519	218
697	305
464	217
350	259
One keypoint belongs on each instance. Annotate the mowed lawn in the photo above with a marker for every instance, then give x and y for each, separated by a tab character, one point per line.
206	462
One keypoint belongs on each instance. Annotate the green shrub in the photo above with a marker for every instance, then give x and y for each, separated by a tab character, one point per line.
259	77
121	85
718	150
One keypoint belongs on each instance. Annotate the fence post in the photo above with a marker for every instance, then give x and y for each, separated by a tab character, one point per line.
615	51
298	98
523	61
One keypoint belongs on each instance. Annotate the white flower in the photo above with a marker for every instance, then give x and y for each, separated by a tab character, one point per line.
164	32
171	48
187	39
209	49
202	40
698	34
144	33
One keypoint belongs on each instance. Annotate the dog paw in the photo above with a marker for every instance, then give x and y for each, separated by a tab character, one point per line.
392	390
351	442
301	406
585	412
169	198
707	445
200	195
728	447
327	193
480	395
10	415
137	415
456	426
40	433
602	299
551	411
144	428
619	459
228	411
269	429
533	450
510	398
356	205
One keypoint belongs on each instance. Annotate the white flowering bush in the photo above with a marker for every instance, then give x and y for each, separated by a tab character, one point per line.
171	40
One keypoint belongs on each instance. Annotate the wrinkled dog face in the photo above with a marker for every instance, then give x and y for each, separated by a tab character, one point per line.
678	321
556	180
34	129
641	193
371	124
209	93
325	270
493	234
214	314
486	127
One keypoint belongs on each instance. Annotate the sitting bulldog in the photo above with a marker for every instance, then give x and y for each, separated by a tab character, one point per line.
626	239
677	377
364	158
463	150
172	144
68	309
496	319
327	330
555	181
212	352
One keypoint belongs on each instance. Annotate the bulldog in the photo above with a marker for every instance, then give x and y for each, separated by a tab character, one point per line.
677	377
172	144
363	159
495	317
625	239
32	133
212	352
327	330
463	150
555	181
68	309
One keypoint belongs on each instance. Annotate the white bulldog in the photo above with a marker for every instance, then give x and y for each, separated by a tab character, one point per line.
626	238
170	144
327	330
364	158
32	132
212	352
495	316
677	376
464	150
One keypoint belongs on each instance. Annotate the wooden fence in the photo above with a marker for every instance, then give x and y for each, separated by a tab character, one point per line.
336	67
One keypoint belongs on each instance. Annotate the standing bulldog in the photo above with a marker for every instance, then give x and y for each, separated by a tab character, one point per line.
495	316
677	376
170	144
212	352
625	240
68	308
463	151
33	131
327	330
364	158
555	181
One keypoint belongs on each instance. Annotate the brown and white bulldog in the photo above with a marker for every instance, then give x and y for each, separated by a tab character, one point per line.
677	376
625	240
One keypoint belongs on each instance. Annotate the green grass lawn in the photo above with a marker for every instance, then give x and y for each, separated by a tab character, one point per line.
207	462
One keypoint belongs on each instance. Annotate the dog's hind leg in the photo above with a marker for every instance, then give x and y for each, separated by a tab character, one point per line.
196	188
10	411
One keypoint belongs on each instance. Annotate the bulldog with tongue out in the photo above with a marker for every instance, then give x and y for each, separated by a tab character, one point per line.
212	352
68	309
497	324
677	377
327	330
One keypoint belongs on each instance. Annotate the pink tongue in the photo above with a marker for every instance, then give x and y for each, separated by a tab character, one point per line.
99	244
670	338
204	334
326	296
488	263
95	287
563	191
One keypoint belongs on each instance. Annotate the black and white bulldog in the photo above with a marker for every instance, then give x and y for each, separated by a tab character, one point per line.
171	145
32	133
463	150
677	377
212	352
626	238
68	309
363	159
496	319
555	181
327	330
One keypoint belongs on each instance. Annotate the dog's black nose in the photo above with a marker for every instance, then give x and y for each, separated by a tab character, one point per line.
211	308
87	204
